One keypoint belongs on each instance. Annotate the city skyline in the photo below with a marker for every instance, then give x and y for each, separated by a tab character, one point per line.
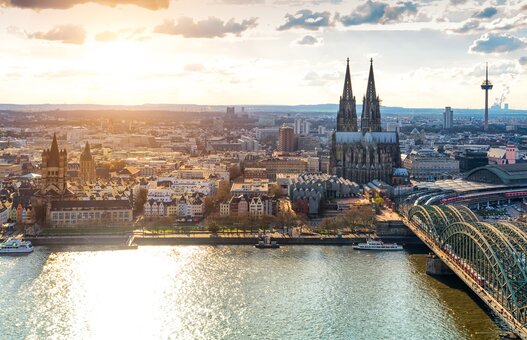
230	169
427	54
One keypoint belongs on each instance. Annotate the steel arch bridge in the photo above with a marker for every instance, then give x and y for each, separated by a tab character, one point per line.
492	255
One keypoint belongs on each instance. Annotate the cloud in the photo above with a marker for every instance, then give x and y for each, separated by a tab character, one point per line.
503	73
195	67
308	40
15	30
208	28
500	68
500	24
486	13
67	73
240	2
373	12
65	4
523	61
457	2
307	19
107	36
497	43
468	26
304	2
123	34
278	2
67	34
313	78
508	24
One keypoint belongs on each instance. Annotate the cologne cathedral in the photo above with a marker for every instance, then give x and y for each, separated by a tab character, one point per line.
365	154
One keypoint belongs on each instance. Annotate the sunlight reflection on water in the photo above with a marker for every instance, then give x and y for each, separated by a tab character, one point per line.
187	292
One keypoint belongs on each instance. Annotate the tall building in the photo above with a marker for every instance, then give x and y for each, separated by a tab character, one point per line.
308	143
306	127
486	85
269	132
286	139
53	169
230	114
368	154
87	165
298	126
448	118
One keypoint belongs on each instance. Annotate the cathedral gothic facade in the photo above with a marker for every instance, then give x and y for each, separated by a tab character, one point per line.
365	154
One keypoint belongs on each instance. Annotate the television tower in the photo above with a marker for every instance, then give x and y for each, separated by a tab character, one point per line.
486	85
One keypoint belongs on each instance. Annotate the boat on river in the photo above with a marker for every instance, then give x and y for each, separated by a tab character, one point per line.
266	242
15	247
378	245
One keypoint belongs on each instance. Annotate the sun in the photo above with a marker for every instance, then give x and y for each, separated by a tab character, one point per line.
118	58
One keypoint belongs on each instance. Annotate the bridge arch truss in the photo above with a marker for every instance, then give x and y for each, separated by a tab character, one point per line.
494	255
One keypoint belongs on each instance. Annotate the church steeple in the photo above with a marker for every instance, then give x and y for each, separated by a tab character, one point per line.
371	94
371	113
347	114
347	94
53	158
54	144
86	153
87	165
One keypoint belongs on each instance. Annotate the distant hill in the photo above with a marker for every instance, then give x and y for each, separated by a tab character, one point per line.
315	108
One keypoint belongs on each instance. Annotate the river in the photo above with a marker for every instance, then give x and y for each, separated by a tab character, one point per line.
233	292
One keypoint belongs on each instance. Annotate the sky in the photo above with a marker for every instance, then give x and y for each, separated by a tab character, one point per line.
428	53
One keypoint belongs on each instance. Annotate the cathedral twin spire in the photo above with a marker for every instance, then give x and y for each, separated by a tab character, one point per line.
347	115
347	93
371	114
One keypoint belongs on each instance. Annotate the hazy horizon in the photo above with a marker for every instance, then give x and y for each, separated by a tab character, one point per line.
249	108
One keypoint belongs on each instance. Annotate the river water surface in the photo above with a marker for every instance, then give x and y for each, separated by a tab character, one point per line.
232	292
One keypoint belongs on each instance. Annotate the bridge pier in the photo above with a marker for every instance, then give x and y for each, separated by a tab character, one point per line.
434	266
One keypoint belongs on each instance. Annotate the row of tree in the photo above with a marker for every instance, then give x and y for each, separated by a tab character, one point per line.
247	222
361	217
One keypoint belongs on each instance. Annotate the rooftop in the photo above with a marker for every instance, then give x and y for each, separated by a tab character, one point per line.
457	185
500	174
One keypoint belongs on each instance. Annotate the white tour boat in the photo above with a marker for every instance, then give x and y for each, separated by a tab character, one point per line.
15	247
377	245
